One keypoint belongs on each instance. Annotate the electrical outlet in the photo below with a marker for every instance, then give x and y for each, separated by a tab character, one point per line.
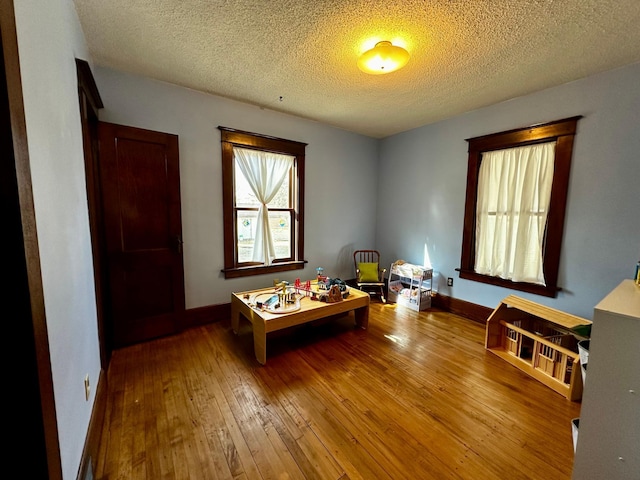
87	387
449	282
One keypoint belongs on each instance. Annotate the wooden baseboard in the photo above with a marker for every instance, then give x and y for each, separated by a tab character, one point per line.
92	441
194	317
477	313
472	311
212	313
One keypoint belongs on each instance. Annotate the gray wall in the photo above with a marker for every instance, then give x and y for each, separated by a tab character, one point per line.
49	39
423	177
409	202
341	176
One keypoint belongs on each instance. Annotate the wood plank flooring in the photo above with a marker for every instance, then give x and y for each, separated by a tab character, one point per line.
416	396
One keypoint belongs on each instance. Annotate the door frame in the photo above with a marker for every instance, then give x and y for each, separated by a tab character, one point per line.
90	104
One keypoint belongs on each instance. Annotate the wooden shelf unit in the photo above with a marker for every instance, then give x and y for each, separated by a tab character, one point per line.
538	340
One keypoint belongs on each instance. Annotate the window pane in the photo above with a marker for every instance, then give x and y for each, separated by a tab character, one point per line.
244	196
280	224
281	199
243	193
246	230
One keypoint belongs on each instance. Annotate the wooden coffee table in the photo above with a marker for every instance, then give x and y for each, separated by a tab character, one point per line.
308	310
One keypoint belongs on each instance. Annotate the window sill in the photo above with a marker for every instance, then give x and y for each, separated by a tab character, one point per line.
263	269
546	291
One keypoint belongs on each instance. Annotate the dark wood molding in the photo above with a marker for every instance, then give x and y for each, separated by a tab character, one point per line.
500	282
560	131
92	441
540	132
260	141
263	269
88	83
230	138
90	102
472	311
214	313
194	317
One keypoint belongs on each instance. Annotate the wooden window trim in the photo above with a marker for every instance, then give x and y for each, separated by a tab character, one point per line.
563	132
229	138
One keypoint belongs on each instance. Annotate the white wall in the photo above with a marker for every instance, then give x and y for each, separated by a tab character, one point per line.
341	178
49	39
424	172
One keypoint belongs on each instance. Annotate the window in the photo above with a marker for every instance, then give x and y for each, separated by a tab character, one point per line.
263	200
517	185
514	188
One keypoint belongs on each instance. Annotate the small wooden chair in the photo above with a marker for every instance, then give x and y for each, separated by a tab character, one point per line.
369	275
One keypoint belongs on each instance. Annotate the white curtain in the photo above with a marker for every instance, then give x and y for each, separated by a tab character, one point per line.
265	173
514	189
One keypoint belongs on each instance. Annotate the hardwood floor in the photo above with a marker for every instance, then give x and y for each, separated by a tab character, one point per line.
416	396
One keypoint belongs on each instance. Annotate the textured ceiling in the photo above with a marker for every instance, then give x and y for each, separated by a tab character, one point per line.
299	56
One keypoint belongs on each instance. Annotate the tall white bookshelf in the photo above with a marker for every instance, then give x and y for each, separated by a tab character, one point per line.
608	441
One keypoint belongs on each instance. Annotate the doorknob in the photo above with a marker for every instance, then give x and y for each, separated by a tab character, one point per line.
179	243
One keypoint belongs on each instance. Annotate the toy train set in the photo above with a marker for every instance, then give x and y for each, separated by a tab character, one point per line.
286	297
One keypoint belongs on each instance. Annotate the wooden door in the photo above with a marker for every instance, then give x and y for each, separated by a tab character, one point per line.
140	183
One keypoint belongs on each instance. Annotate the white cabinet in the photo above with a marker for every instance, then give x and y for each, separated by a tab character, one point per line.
410	285
608	441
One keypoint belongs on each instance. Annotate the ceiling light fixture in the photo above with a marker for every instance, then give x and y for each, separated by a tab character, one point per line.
383	58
